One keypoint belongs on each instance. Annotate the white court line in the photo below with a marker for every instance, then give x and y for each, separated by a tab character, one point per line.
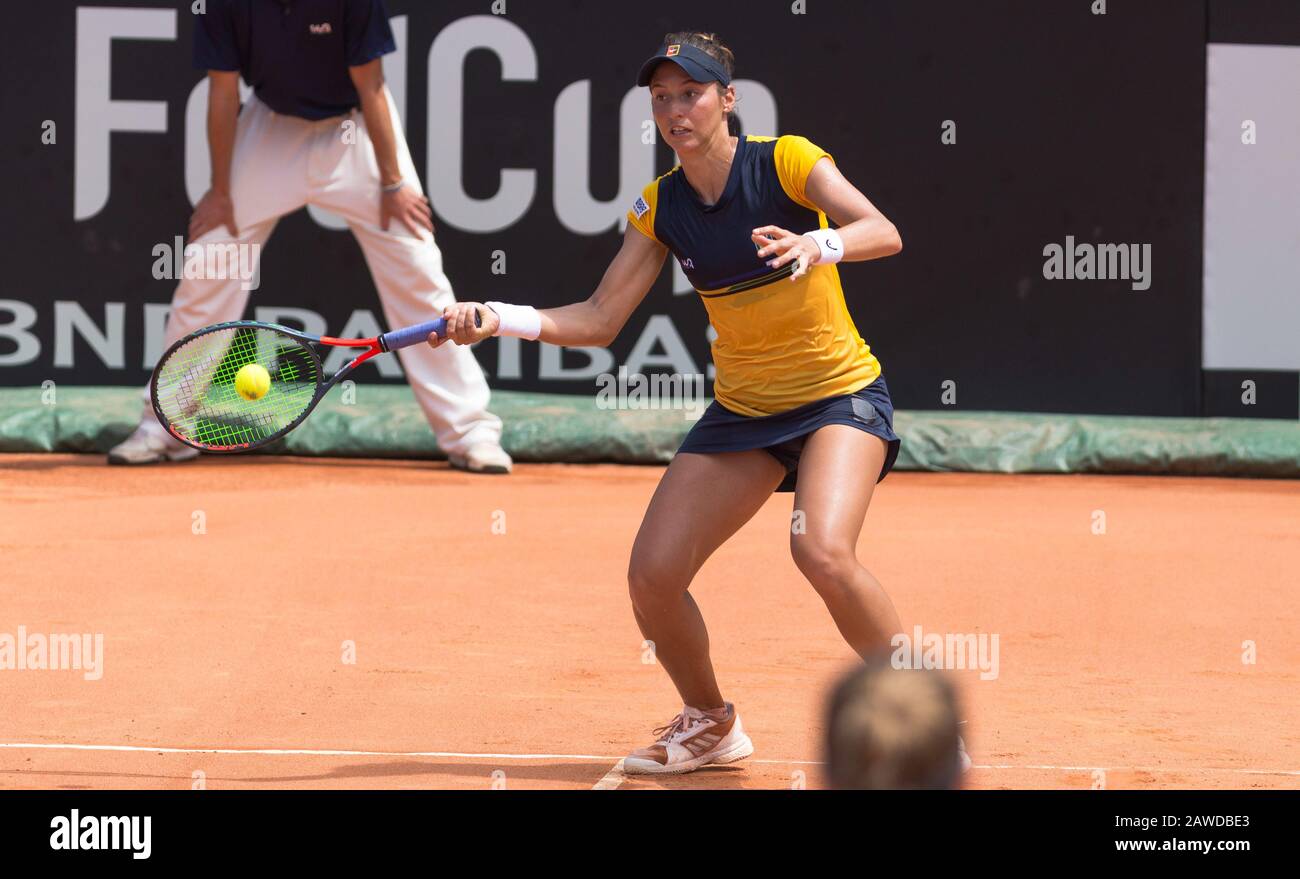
300	752
316	752
612	779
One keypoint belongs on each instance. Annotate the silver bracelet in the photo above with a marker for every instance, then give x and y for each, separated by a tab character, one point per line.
393	187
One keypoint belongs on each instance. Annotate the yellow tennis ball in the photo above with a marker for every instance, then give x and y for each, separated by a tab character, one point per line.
252	381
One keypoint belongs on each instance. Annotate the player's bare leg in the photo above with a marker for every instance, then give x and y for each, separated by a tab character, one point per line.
700	502
837	477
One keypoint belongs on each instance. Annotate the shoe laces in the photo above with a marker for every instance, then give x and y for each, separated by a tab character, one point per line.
678	726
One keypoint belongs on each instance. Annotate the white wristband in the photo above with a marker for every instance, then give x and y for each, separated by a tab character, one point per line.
517	320
830	243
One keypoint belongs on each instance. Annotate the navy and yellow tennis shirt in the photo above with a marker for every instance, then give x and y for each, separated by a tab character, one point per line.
779	344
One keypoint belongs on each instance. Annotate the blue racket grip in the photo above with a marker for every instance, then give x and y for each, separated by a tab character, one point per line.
408	336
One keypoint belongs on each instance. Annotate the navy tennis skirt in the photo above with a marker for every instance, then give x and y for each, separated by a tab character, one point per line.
783	434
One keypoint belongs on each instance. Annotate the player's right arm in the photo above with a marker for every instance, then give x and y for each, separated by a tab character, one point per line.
599	319
215	207
594	322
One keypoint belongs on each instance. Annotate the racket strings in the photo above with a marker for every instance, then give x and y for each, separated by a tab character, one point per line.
196	390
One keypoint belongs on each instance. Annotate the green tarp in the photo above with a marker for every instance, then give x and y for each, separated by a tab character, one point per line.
384	421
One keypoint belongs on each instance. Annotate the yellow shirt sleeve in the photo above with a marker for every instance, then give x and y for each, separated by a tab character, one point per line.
642	215
795	157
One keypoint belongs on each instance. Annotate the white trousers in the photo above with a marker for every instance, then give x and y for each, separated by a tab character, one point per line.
282	163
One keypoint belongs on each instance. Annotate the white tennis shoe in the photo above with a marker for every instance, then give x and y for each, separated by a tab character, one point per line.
150	444
483	458
691	740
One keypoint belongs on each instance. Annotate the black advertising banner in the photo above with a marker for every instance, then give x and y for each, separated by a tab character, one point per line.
1042	161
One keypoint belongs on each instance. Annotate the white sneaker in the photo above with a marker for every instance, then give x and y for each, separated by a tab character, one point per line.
693	739
150	445
963	756
483	458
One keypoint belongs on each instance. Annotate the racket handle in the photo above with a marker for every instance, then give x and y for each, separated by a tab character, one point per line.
408	336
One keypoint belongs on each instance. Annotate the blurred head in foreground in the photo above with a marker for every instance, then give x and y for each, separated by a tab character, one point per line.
893	729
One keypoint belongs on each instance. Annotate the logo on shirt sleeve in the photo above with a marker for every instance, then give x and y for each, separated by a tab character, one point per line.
640	208
323	28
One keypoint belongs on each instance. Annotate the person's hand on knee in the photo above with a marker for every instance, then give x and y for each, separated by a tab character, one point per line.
215	209
407	205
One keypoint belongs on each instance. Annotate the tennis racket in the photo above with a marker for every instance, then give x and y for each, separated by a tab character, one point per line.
193	386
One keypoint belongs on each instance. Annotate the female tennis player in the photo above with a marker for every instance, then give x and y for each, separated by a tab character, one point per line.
800	404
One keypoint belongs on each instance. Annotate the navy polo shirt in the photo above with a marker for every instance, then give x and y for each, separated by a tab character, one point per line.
294	53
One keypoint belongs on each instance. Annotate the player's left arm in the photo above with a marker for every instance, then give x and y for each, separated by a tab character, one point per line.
864	231
395	202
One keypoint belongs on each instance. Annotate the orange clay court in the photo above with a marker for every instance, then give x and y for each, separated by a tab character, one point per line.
487	659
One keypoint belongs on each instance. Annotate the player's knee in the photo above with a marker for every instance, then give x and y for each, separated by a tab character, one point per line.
651	584
825	563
